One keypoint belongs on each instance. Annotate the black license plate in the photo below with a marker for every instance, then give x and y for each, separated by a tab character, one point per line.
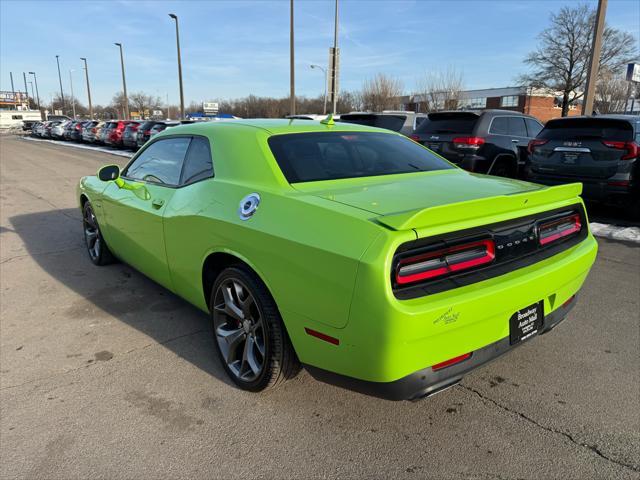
433	146
526	323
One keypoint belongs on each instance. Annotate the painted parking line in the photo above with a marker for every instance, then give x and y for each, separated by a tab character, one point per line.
120	153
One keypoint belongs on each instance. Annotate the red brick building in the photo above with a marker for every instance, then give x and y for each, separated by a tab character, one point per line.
542	104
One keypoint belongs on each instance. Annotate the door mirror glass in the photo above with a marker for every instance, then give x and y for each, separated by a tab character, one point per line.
109	172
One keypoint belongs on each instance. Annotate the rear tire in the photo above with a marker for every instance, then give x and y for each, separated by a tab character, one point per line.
503	167
250	337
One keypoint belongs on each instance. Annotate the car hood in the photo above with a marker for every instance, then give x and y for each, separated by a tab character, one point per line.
392	194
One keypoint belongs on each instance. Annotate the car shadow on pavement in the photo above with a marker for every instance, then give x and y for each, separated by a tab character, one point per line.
54	240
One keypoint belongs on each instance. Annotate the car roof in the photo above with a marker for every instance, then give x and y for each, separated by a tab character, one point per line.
610	116
274	126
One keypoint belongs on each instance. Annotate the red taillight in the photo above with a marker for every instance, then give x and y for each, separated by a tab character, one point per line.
468	142
630	147
78	127
446	261
94	130
450	362
415	138
619	183
536	142
556	229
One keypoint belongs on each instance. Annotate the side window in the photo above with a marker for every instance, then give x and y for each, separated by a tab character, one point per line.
533	127
500	126
198	164
161	162
516	127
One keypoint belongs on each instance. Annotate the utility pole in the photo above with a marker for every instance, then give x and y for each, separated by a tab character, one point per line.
292	73
60	79
594	61
35	80
175	17
124	83
86	73
333	65
26	90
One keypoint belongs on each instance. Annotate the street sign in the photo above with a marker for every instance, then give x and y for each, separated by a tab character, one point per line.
633	72
157	113
210	107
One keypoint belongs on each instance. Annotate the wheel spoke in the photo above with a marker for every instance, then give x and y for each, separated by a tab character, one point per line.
230	307
230	339
246	306
250	349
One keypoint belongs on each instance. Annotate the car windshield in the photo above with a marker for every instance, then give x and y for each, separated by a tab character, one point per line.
587	128
306	157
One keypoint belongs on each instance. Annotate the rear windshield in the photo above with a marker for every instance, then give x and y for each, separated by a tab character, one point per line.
448	123
390	122
306	157
586	128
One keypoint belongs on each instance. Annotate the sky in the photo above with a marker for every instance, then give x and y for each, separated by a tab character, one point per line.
234	48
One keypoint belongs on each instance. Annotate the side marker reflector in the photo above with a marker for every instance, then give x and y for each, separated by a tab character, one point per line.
450	362
322	336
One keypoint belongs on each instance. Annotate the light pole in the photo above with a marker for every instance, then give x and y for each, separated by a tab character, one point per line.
60	79
73	98
124	83
292	73
35	80
324	70
175	17
26	90
86	73
334	64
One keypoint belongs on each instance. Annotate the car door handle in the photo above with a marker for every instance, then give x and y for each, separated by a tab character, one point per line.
157	202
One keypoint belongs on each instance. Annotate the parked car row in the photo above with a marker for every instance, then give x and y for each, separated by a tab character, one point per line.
130	134
601	152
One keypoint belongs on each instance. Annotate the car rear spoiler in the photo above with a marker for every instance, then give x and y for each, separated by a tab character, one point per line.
461	211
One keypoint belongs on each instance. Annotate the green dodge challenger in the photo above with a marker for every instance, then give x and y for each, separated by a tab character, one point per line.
351	250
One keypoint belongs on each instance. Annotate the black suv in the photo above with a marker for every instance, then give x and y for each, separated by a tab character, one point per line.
488	141
398	121
601	152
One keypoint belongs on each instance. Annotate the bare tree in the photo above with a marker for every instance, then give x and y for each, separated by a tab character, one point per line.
381	92
118	105
561	60
142	103
612	93
439	90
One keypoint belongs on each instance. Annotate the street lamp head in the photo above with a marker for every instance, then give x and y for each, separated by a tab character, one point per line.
82	58
32	73
118	44
173	15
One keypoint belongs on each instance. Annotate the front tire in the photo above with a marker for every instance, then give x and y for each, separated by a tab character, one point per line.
251	341
97	248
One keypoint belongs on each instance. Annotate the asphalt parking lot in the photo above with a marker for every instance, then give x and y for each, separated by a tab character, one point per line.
104	374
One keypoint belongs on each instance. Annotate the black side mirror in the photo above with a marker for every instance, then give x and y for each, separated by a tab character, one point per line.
109	172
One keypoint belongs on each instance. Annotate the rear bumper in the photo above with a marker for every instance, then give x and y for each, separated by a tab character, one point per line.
426	382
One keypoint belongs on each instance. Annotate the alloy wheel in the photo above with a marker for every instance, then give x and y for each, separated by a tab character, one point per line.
239	329
91	233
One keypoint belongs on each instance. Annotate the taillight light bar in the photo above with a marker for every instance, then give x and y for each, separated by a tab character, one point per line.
630	147
557	229
536	142
444	262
